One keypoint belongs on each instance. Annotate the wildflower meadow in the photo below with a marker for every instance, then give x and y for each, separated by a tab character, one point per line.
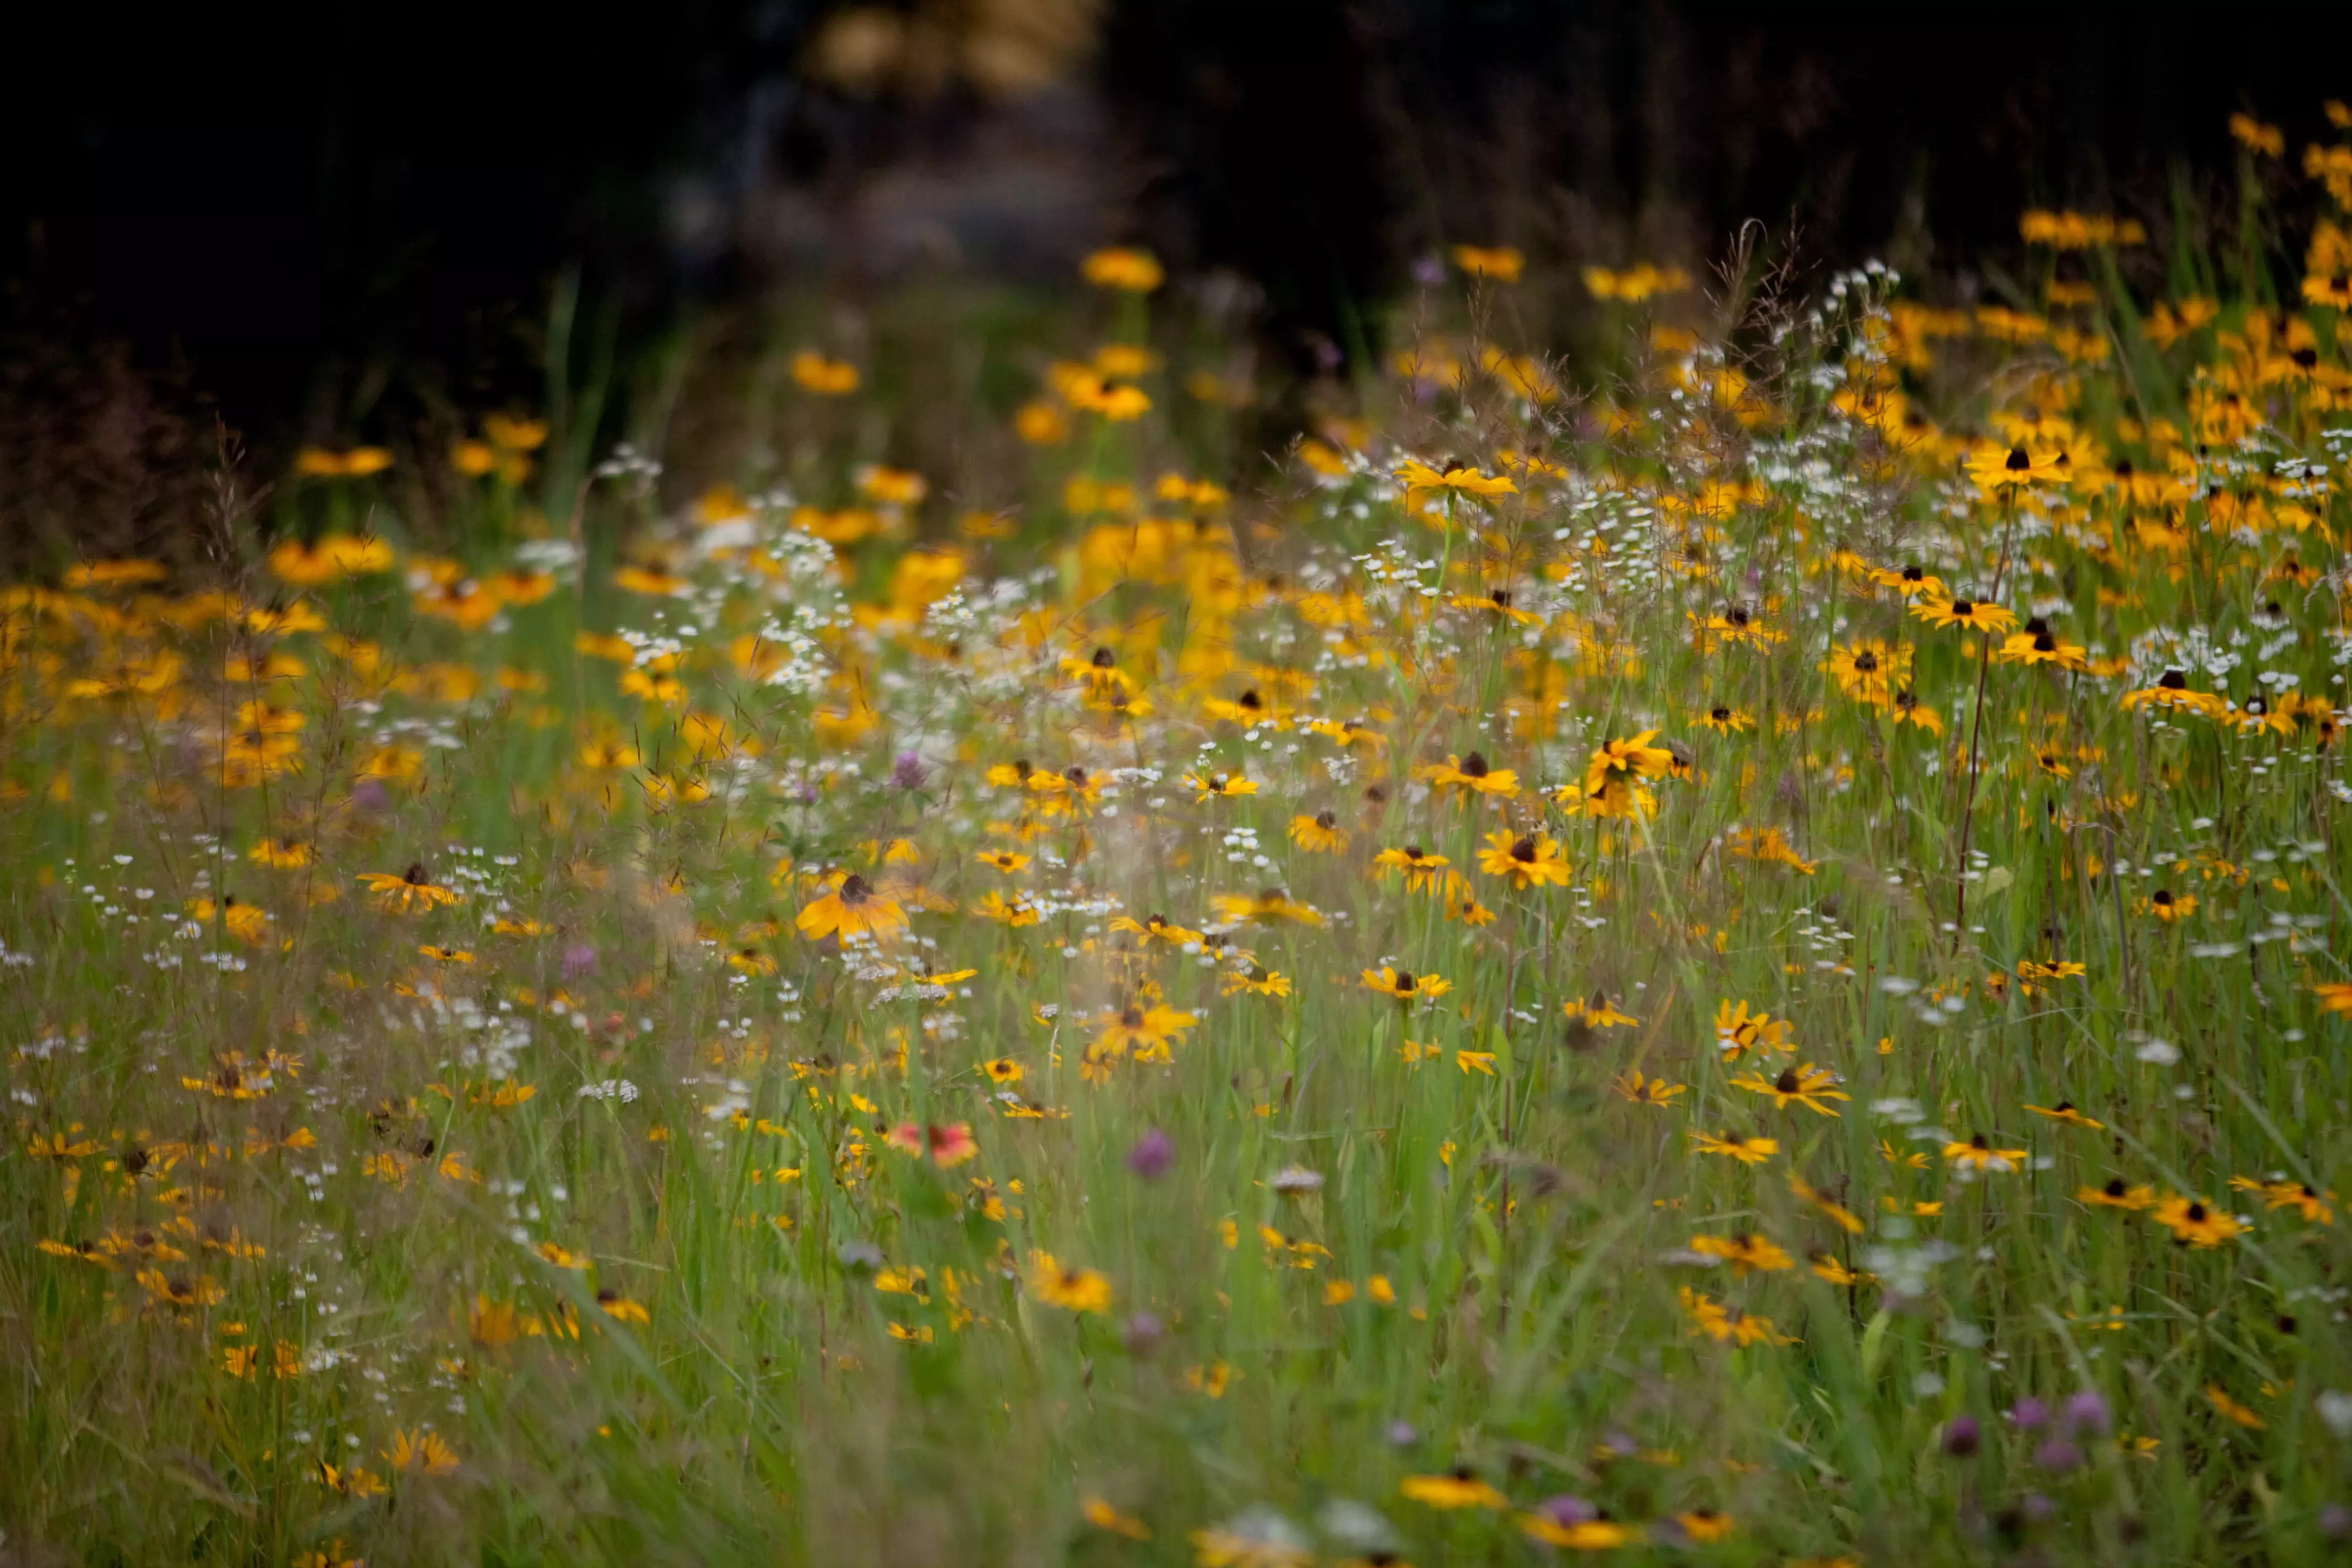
1724	947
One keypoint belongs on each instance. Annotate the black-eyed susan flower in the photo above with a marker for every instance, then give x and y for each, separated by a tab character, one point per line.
1736	1146
852	909
1145	1031
2196	1223
1530	861
1319	834
1969	615
408	891
1808	1085
2004	470
1420	868
1745	1251
2117	1193
1978	1154
1470	776
1405	985
1642	1090
1421	482
1725	720
1206	786
2065	1111
1459	1487
1071	1289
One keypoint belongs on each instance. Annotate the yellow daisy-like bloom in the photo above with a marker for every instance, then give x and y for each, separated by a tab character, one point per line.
1496	603
1725	720
1869	670
1421	481
2195	1223
1581	1535
1912	582
1156	927
1072	1289
410	891
1531	860
1403	984
1739	1030
1970	615
2037	644
1207	785
2171	693
1146	1032
2169	906
1004	860
1501	262
1257	981
425	1452
1744	1250
2117	1194
1736	1146
2065	1110
1978	1154
1807	1086
1458	1489
1420	867
1996	469
853	911
1129	269
1643	1091
1319	834
1471	774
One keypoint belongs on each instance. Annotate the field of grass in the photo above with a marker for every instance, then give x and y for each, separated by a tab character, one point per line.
1731	953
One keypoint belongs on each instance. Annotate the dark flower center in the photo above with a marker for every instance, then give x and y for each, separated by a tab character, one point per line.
1866	663
1251	700
2116	1188
1720	715
1914	573
1102	660
1325	820
1787	1082
1404	980
2172	680
1963	607
2045	643
2018	461
2163	899
854	888
2196	1214
1474	765
1524	849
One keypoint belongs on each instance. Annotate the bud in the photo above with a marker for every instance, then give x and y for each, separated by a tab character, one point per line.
1962	1436
1152	1154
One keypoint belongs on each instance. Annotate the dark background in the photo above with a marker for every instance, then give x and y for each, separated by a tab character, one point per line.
314	216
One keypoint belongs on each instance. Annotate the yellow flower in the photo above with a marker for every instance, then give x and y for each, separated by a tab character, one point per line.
1501	262
1744	1250
1458	1489
1403	984
1978	1154
1970	615
1102	1516
1072	1289
853	911
1644	1090
1531	860
1205	786
422	1451
1995	468
1807	1086
1421	481
410	891
1137	271
1747	1151
1319	835
826	377
2195	1223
